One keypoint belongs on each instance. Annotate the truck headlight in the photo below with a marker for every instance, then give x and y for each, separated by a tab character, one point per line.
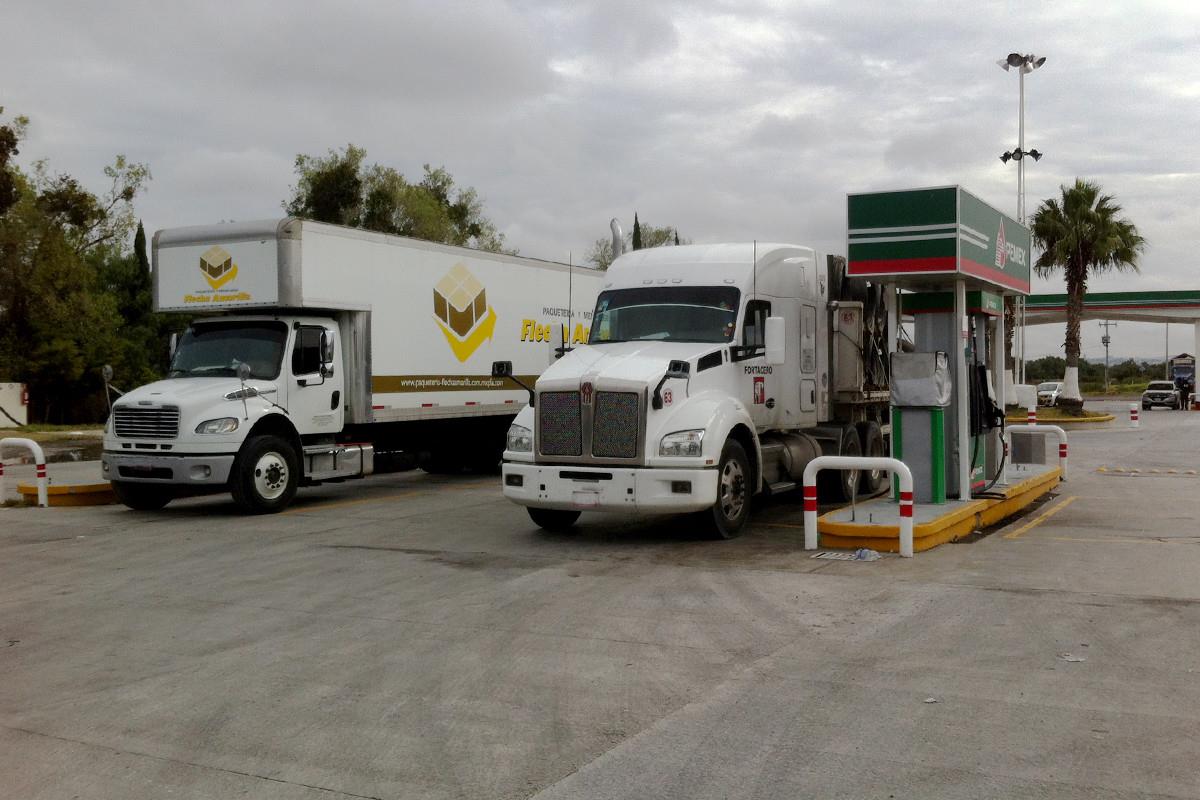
520	439
222	425
681	443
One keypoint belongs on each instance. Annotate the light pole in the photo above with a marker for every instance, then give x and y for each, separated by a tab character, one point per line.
1023	64
1105	340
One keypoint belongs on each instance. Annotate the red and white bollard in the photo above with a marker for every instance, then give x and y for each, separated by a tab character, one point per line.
895	466
39	458
1031	416
1133	415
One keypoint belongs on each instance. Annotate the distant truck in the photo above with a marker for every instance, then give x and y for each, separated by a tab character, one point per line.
712	373
316	345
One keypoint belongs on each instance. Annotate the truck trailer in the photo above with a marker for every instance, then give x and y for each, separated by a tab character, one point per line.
712	373
315	345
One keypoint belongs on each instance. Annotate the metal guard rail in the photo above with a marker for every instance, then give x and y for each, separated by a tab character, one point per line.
39	459
1062	444
893	465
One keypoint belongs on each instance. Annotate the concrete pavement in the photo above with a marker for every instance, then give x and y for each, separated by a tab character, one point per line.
412	636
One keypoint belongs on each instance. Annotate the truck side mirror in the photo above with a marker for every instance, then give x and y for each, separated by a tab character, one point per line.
326	354
173	345
501	369
327	347
774	338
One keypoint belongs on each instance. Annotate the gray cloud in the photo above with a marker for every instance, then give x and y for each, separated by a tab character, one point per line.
729	120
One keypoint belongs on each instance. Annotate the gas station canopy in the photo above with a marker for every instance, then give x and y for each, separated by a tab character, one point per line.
928	238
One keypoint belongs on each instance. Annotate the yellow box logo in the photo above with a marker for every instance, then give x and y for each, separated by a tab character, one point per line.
461	310
216	264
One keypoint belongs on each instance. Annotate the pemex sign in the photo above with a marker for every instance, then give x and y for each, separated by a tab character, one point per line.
921	236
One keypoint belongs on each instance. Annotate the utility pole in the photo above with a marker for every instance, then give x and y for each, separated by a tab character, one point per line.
1106	340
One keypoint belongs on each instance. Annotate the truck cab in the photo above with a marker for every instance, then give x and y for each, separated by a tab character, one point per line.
254	403
705	380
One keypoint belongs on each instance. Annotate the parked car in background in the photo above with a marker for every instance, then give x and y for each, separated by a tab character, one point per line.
1048	393
1161	393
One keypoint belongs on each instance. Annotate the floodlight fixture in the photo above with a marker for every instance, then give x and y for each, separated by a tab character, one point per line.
1035	155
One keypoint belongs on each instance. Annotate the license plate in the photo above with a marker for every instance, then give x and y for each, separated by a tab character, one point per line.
585	499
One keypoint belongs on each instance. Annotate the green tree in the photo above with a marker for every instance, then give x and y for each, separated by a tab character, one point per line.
58	321
341	188
11	135
637	232
1082	234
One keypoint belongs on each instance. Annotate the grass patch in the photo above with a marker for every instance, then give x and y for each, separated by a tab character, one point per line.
53	433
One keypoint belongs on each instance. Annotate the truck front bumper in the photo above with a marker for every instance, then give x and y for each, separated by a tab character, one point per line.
652	491
202	469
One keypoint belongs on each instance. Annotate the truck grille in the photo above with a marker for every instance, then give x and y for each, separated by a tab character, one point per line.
561	425
146	423
615	425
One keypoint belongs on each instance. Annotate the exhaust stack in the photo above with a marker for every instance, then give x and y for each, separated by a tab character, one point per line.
618	240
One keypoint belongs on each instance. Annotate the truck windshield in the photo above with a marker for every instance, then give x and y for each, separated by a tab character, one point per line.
214	349
665	313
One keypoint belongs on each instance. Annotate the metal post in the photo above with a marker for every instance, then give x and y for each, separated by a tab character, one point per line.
39	460
1044	429
1021	147
1167	351
1022	341
962	384
896	467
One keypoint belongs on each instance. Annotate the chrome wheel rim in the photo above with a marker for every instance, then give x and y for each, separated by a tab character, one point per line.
733	489
271	476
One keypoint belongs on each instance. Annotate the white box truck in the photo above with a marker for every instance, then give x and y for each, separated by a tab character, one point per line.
712	373
318	344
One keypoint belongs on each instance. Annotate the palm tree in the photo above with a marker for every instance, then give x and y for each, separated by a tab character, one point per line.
1081	234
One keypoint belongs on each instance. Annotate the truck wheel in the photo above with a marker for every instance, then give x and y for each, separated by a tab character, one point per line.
142	496
266	475
729	513
553	520
842	485
870	437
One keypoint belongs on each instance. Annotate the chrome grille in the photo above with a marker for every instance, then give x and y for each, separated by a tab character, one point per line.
560	424
615	425
146	423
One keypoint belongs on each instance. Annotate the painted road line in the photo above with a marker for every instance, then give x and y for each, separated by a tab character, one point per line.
1066	501
1124	540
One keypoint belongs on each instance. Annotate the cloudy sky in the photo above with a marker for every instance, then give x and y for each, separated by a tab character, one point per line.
729	120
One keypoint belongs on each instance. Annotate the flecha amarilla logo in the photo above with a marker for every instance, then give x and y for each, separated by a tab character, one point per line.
461	310
217	266
1001	248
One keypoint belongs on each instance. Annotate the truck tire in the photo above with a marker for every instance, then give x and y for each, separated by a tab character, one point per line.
729	514
841	486
553	520
870	438
142	496
265	475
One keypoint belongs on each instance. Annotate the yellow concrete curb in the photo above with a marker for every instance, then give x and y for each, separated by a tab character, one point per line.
79	494
1062	422
953	525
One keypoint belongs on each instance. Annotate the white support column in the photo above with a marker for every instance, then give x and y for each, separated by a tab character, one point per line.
963	386
999	373
1196	355
891	302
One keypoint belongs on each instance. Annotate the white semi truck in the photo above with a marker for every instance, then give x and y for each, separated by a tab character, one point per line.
712	373
318	344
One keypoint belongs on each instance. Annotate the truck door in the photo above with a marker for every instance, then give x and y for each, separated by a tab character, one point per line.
758	385
808	358
315	400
